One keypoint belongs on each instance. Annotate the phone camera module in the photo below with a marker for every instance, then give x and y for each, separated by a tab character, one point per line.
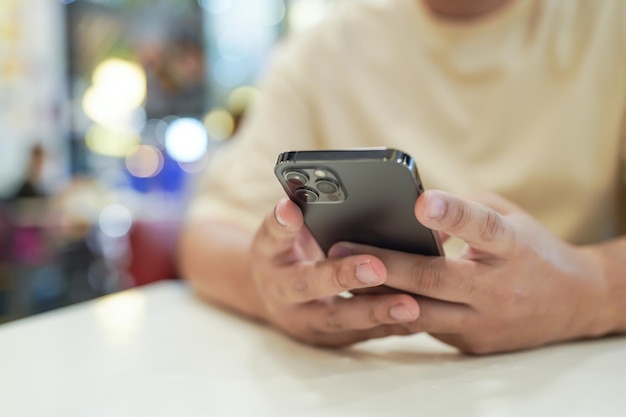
296	177
327	186
306	194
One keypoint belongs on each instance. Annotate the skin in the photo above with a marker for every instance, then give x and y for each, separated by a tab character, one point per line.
516	286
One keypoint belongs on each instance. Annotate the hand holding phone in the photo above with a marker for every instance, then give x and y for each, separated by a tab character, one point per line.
363	196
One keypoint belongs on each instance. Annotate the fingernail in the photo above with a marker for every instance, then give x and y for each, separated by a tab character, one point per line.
366	274
279	219
400	313
435	208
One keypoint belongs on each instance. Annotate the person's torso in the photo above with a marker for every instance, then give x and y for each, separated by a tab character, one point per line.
527	102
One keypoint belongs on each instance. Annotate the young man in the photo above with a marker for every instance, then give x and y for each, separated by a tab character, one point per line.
516	108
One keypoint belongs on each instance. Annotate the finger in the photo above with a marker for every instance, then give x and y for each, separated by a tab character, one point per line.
381	289
347	338
279	230
442	317
438	277
494	201
481	227
359	313
301	282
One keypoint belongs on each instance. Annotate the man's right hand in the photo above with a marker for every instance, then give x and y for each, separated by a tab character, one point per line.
300	288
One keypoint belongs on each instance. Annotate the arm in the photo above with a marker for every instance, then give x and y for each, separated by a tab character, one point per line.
214	259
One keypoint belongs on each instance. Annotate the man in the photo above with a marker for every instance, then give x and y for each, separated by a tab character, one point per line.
518	104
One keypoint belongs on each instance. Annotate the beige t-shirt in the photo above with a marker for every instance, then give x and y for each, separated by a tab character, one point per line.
528	102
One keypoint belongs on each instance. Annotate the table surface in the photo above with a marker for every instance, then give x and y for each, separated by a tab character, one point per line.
159	351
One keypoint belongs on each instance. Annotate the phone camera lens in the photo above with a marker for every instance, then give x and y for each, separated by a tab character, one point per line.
306	194
297	177
327	186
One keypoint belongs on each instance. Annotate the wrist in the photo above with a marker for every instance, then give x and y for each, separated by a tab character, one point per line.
602	297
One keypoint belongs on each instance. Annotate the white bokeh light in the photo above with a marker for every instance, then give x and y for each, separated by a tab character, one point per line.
186	140
115	220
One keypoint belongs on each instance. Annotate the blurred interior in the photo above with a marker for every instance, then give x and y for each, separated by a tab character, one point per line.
109	109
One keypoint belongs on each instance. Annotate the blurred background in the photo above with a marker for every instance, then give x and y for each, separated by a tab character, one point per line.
109	109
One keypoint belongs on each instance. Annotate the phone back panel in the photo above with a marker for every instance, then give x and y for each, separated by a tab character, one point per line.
380	189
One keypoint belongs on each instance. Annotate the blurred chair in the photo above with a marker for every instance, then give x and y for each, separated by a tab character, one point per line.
153	251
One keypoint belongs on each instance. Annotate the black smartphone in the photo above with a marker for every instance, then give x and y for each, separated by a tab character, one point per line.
364	195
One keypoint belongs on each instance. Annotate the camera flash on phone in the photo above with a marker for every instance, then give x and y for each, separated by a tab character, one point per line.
320	173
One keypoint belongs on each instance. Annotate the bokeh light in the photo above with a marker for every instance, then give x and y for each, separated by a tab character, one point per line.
219	124
144	161
107	142
123	78
153	132
241	98
115	220
118	90
267	12
186	140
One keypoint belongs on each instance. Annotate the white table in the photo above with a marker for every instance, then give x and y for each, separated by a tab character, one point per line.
158	351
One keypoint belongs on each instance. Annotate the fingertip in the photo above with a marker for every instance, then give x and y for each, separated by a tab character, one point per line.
288	214
430	207
379	268
405	310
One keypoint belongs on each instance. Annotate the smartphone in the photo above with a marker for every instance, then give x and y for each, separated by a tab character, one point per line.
364	195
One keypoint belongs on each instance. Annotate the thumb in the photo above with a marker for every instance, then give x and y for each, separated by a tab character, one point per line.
280	229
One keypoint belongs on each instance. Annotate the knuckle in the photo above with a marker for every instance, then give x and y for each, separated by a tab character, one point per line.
426	276
332	321
339	279
300	287
491	226
470	286
509	296
373	317
460	216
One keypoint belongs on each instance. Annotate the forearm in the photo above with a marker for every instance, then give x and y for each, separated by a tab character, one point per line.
611	257
214	258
